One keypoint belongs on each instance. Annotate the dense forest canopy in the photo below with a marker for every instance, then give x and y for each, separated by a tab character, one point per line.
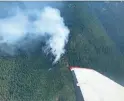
95	41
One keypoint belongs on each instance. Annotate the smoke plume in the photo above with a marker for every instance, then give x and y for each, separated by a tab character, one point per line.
34	24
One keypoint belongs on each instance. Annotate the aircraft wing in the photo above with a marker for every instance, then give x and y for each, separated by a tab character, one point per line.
90	85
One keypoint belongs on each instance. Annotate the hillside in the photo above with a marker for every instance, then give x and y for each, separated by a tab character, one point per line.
111	17
26	77
90	46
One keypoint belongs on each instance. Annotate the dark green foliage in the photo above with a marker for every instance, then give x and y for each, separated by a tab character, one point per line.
89	45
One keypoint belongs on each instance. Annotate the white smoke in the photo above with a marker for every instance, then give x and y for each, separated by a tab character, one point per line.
47	22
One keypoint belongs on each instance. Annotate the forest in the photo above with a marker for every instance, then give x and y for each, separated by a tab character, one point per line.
95	41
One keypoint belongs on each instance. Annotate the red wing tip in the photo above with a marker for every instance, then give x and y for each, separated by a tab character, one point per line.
74	67
79	68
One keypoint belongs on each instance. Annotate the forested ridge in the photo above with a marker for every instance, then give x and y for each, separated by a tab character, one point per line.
92	44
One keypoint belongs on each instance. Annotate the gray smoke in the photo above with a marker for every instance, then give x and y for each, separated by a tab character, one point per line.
34	24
